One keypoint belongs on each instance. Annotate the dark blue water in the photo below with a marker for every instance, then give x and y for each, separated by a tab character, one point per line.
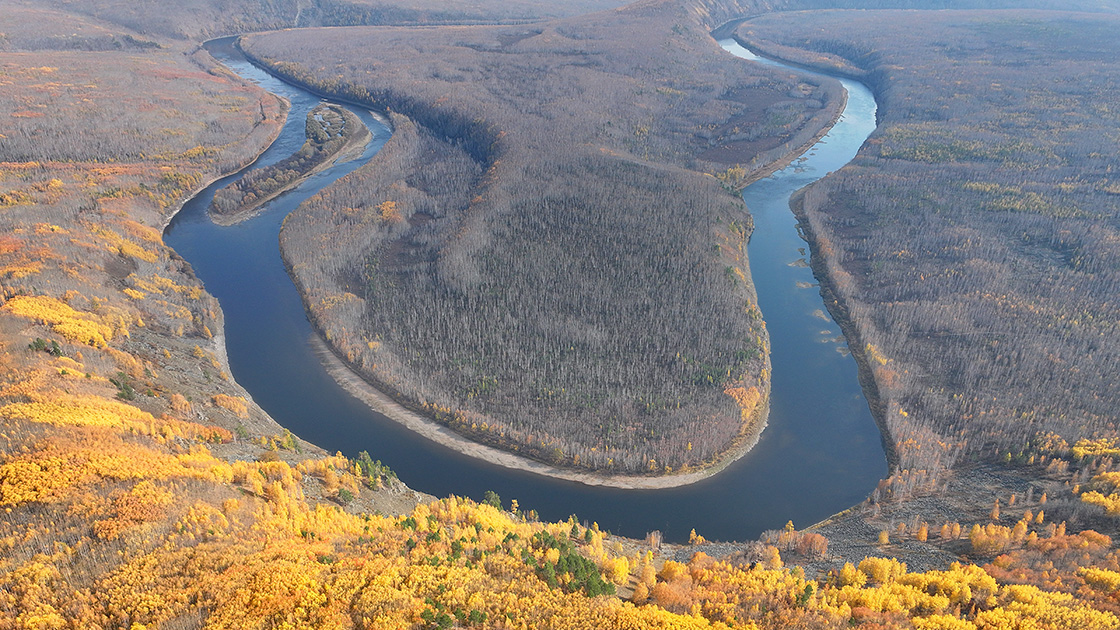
820	453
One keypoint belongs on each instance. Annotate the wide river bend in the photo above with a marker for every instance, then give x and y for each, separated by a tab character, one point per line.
820	453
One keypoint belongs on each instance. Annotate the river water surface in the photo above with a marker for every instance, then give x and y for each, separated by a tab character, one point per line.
820	453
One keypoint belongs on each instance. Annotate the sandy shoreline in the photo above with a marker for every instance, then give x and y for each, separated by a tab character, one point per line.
432	430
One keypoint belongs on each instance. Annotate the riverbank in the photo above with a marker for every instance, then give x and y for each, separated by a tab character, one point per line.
793	153
780	163
276	125
356	137
838	309
379	401
394	497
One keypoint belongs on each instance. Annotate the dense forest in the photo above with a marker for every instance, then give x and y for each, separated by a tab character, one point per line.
331	131
608	325
143	488
973	244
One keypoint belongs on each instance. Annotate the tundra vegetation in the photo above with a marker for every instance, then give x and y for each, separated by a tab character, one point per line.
141	487
533	258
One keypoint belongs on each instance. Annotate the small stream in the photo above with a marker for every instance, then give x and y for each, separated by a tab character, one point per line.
820	453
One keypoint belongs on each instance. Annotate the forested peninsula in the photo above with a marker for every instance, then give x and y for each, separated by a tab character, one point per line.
609	325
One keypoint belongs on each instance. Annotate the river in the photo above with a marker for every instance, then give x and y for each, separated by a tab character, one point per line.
820	453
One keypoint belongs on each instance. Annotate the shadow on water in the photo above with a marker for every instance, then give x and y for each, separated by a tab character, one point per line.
820	453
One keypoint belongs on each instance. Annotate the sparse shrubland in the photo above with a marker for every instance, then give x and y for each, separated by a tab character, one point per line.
43	26
94	163
142	488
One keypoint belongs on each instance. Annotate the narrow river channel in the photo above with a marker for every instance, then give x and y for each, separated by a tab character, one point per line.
820	453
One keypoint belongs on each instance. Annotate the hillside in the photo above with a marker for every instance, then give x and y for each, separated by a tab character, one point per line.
198	20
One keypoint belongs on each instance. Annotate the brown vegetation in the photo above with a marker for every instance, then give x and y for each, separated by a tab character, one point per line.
95	161
199	20
126	506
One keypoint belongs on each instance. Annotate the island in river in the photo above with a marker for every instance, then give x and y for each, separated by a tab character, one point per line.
333	134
